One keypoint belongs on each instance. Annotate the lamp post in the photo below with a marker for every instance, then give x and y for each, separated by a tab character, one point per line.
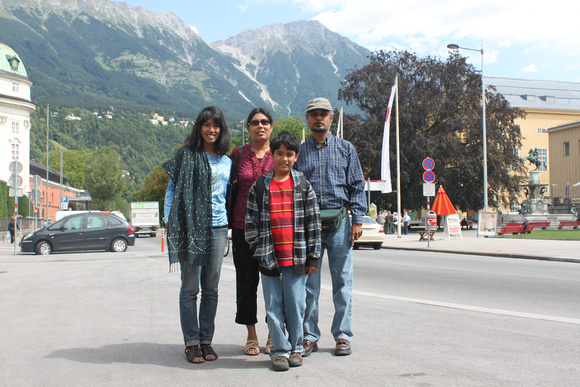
456	47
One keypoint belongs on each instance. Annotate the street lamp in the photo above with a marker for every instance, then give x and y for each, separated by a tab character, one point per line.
456	47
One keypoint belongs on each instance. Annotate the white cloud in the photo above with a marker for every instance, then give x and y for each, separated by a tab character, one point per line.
530	69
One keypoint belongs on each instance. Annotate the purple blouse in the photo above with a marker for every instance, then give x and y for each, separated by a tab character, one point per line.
248	172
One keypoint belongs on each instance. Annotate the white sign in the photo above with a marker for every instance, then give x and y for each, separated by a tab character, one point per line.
453	224
487	224
376	185
11	192
64	202
429	189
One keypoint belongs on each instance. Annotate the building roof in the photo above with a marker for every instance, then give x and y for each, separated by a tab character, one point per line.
565	126
10	62
545	95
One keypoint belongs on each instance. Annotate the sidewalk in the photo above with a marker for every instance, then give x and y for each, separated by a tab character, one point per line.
470	243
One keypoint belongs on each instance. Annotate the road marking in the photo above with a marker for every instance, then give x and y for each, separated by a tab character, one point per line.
466	307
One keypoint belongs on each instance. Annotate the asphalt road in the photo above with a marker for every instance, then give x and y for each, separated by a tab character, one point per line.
420	319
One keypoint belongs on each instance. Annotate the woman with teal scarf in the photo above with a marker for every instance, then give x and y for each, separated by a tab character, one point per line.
196	218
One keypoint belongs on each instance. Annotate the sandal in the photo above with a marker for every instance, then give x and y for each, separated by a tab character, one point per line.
208	352
193	354
252	348
269	345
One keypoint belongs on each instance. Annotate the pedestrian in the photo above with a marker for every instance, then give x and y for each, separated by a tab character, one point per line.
332	166
389	221
395	223
12	228
196	218
251	161
381	219
406	219
283	230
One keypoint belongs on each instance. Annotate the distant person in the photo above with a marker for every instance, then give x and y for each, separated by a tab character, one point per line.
395	223
406	219
197	226
381	219
283	231
389	222
526	223
332	166
255	159
11	229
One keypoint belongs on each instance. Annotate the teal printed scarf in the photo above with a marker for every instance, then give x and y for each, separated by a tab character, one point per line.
189	224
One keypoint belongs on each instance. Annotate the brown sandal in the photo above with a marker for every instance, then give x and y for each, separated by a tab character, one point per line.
193	354
208	352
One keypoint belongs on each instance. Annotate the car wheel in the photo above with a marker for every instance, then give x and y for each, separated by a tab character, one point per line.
356	246
154	235
377	246
119	245
43	248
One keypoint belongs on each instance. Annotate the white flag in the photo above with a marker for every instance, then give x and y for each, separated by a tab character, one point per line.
385	160
339	125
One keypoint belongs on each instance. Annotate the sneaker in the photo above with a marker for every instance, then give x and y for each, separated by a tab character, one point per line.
309	347
280	364
295	359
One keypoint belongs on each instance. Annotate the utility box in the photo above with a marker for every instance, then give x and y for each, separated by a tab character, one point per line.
431	221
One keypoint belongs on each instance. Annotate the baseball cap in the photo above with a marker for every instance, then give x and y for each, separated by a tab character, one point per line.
318	103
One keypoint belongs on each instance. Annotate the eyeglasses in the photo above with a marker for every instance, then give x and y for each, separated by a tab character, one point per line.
264	122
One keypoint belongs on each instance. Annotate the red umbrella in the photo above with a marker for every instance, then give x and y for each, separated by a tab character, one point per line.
442	205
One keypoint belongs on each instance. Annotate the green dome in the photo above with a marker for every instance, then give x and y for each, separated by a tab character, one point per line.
10	61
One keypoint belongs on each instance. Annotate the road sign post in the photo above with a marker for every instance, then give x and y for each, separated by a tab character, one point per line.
428	189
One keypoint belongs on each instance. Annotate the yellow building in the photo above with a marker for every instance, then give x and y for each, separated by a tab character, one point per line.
548	104
565	163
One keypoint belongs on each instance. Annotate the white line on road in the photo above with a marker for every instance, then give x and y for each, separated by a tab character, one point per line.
466	307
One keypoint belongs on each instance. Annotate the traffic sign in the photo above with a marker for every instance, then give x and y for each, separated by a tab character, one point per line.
15	181
428	164
428	177
36	181
428	189
15	167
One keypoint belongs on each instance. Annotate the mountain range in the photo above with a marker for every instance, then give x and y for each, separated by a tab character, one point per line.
101	53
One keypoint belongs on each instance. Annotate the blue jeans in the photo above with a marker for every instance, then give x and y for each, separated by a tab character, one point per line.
337	244
200	331
285	301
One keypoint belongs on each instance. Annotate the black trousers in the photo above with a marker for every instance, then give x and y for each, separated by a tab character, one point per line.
247	279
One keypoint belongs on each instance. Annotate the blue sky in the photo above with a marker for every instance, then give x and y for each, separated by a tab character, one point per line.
521	39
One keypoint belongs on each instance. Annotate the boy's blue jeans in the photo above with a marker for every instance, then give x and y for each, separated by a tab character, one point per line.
285	298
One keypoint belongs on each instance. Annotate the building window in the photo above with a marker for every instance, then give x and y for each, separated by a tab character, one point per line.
543	155
15	150
15	128
566	148
15	87
541	130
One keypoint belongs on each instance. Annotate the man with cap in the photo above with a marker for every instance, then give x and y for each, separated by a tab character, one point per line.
332	166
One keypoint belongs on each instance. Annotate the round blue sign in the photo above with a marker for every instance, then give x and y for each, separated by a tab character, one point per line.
428	177
428	164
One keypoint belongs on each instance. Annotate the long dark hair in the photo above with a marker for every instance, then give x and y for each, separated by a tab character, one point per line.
262	110
194	140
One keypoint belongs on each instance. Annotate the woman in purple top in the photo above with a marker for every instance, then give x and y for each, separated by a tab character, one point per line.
255	161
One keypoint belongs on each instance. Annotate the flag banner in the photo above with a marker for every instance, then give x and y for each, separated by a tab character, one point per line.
385	159
339	125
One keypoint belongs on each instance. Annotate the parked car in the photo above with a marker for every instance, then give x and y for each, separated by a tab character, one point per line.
85	231
373	234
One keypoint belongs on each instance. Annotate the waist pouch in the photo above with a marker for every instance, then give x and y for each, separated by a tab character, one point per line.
331	220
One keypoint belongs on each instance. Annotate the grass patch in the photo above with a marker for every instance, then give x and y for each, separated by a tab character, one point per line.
561	234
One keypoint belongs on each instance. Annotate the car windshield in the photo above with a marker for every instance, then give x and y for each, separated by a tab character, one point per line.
367	220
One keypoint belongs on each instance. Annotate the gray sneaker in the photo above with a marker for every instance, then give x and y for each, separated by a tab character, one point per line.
280	364
295	359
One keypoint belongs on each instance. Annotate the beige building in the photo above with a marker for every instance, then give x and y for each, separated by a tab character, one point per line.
564	161
548	104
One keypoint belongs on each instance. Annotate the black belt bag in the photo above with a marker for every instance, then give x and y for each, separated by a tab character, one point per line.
331	220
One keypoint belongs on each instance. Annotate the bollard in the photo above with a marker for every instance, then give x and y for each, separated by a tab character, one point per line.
162	240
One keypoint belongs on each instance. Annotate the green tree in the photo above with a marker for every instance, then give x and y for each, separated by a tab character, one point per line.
294	125
439	117
155	185
73	162
104	179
